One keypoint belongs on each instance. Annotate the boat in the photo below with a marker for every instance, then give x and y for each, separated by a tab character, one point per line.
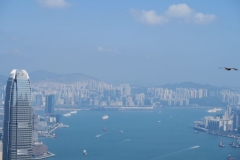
84	152
67	115
121	131
214	110
159	121
105	117
104	129
196	132
230	158
63	126
73	112
234	145
54	135
221	144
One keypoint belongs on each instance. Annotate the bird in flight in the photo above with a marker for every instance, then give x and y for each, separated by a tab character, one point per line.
228	69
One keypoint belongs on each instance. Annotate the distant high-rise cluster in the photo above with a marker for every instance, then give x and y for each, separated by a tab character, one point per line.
102	94
228	122
98	93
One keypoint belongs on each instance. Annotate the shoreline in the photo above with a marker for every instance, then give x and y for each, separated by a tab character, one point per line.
141	108
49	154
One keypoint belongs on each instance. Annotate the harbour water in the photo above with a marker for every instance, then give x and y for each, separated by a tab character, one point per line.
146	135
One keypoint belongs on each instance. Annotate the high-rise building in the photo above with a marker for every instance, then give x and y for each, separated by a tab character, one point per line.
17	129
50	102
38	100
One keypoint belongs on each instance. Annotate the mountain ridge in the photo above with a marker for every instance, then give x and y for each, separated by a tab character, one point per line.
46	76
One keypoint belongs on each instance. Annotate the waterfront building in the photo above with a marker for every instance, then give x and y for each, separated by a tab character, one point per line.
236	121
17	129
50	102
39	149
213	124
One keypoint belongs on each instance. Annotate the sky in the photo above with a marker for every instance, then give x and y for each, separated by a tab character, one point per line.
139	42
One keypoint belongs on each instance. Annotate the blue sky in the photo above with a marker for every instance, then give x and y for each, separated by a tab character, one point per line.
130	41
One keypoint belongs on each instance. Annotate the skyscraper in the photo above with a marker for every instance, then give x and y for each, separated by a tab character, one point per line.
50	102
17	131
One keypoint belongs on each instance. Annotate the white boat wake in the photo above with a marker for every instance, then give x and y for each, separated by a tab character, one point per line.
126	140
99	135
169	154
194	147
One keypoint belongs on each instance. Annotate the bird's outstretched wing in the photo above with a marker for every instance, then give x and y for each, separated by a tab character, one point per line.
228	69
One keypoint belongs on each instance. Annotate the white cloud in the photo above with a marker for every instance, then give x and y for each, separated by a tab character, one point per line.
179	10
108	50
148	17
176	11
54	3
201	18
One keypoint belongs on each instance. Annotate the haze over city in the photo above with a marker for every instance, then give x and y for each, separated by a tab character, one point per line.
136	42
120	80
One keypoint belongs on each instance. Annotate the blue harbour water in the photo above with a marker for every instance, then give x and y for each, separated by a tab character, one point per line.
143	137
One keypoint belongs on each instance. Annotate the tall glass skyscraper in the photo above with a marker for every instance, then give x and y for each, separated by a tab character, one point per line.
50	102
17	129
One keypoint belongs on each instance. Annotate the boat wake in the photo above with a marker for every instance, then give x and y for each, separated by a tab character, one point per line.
169	154
99	135
194	147
126	140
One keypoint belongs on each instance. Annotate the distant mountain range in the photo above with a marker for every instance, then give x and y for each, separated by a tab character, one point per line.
191	85
45	76
173	86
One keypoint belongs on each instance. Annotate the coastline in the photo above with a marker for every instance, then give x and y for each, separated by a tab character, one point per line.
49	154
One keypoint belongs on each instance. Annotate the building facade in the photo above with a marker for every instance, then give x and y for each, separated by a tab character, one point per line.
17	128
50	102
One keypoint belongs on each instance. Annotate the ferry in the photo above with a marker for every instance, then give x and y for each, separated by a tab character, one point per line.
221	144
214	110
105	117
67	115
73	112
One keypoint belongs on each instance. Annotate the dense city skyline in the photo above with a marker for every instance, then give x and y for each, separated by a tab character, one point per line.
136	42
